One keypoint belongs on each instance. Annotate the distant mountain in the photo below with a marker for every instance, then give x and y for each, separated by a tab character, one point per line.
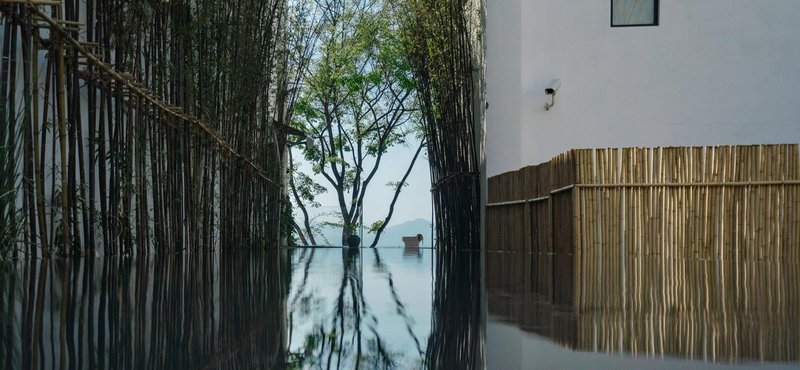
391	236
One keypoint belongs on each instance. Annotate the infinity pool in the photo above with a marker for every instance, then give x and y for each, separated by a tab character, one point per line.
333	308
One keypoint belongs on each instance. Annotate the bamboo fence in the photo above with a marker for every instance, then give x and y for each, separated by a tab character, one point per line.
141	127
689	252
724	201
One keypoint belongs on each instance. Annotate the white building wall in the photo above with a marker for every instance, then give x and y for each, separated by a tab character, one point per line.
712	72
503	64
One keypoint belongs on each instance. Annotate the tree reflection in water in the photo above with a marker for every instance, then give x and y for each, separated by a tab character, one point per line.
353	309
348	336
455	340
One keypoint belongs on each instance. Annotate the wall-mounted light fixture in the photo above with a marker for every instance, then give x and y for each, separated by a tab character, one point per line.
551	90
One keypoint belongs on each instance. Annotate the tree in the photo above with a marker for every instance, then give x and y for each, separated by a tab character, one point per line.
357	102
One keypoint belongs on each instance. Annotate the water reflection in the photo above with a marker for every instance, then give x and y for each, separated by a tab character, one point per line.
334	320
299	309
457	339
193	311
723	311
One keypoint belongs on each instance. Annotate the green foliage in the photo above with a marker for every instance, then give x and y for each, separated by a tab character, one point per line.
373	228
396	184
10	217
287	223
350	227
357	101
357	74
10	229
307	189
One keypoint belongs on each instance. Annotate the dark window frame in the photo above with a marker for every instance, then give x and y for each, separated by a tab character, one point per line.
656	7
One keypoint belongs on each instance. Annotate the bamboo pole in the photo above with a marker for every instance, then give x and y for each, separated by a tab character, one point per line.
62	137
38	149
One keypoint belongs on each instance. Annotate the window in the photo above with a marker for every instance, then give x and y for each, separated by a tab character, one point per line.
628	13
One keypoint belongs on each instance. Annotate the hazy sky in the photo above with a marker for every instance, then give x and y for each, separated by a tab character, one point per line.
414	201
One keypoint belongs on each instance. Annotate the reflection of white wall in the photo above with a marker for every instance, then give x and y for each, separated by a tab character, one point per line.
713	72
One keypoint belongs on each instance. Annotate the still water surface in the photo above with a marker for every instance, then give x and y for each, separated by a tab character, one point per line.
330	308
589	311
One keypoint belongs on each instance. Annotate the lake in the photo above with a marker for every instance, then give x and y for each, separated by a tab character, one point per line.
333	308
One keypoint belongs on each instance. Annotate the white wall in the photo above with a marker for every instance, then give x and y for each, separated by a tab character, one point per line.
503	64
713	72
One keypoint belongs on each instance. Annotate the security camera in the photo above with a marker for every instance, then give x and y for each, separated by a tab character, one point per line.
553	87
551	91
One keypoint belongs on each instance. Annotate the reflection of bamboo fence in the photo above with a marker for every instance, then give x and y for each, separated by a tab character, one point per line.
456	341
710	309
707	309
192	311
691	252
700	201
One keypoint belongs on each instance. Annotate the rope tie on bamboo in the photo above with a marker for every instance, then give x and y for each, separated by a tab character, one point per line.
457	176
126	80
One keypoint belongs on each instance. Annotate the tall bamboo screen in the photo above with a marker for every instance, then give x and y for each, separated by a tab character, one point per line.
444	47
678	202
141	126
